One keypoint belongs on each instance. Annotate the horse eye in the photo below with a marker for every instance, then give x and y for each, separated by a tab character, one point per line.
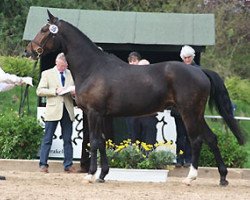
44	29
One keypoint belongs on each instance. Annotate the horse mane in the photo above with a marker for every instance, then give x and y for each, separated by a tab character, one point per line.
80	33
104	54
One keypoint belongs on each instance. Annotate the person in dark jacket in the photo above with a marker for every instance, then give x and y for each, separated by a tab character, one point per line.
183	147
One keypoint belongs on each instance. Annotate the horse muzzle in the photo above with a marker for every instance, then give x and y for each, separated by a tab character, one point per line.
31	54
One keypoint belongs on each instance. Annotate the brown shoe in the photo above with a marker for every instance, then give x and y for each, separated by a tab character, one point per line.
71	169
44	169
178	165
2	178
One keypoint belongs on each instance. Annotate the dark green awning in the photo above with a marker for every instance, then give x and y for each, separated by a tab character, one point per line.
130	27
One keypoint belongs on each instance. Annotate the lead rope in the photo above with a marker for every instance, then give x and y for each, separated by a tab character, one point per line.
25	94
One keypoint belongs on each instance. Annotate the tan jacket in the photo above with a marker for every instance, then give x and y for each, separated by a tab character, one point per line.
50	80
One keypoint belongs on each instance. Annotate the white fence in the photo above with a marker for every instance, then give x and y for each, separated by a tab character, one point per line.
219	117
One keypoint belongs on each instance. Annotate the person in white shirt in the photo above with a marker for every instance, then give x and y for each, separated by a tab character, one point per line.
7	82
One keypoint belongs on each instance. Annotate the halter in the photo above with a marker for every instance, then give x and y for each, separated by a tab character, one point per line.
53	30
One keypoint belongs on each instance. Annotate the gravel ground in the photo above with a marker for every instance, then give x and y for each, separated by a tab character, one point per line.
53	186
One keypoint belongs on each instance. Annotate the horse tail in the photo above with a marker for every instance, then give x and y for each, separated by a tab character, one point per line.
219	98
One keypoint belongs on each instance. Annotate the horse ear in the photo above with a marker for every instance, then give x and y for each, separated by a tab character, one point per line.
52	19
50	15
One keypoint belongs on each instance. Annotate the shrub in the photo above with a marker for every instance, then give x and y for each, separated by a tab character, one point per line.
238	89
19	136
20	67
160	159
233	155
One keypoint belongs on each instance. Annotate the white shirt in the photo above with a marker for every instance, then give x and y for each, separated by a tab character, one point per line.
8	81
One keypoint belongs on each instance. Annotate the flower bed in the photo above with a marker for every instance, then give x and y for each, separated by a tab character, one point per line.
138	155
138	161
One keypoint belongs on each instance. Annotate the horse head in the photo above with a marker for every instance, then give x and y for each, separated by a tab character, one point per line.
45	40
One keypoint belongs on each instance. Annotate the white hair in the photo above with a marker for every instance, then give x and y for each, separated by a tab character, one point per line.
61	56
187	51
143	62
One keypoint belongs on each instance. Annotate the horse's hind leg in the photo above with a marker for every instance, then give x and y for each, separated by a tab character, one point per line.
196	144
198	132
211	139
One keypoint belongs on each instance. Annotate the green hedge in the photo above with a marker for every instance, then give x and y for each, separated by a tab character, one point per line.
232	153
20	66
19	136
239	89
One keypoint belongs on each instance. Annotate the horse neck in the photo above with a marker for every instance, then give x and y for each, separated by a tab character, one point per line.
80	51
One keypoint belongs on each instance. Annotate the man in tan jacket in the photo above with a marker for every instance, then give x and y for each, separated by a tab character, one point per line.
57	86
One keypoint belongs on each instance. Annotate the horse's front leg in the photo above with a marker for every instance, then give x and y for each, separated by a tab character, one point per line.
95	126
93	160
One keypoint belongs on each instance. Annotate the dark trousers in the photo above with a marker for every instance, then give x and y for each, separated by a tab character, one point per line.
183	147
144	129
50	127
130	126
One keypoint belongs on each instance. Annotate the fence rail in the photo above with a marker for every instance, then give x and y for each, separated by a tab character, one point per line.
219	117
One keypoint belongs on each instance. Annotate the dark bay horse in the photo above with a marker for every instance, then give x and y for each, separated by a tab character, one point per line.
108	87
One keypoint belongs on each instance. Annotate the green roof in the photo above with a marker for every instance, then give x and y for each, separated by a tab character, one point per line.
119	27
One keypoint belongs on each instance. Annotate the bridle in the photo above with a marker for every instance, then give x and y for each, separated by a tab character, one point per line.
39	51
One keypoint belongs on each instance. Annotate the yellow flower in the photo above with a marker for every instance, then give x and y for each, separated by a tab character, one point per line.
145	146
181	152
119	148
156	145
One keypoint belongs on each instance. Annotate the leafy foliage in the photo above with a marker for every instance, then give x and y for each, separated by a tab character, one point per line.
238	89
232	154
19	66
160	159
19	136
229	55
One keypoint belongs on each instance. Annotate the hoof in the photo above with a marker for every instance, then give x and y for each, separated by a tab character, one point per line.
224	183
100	180
82	170
90	178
